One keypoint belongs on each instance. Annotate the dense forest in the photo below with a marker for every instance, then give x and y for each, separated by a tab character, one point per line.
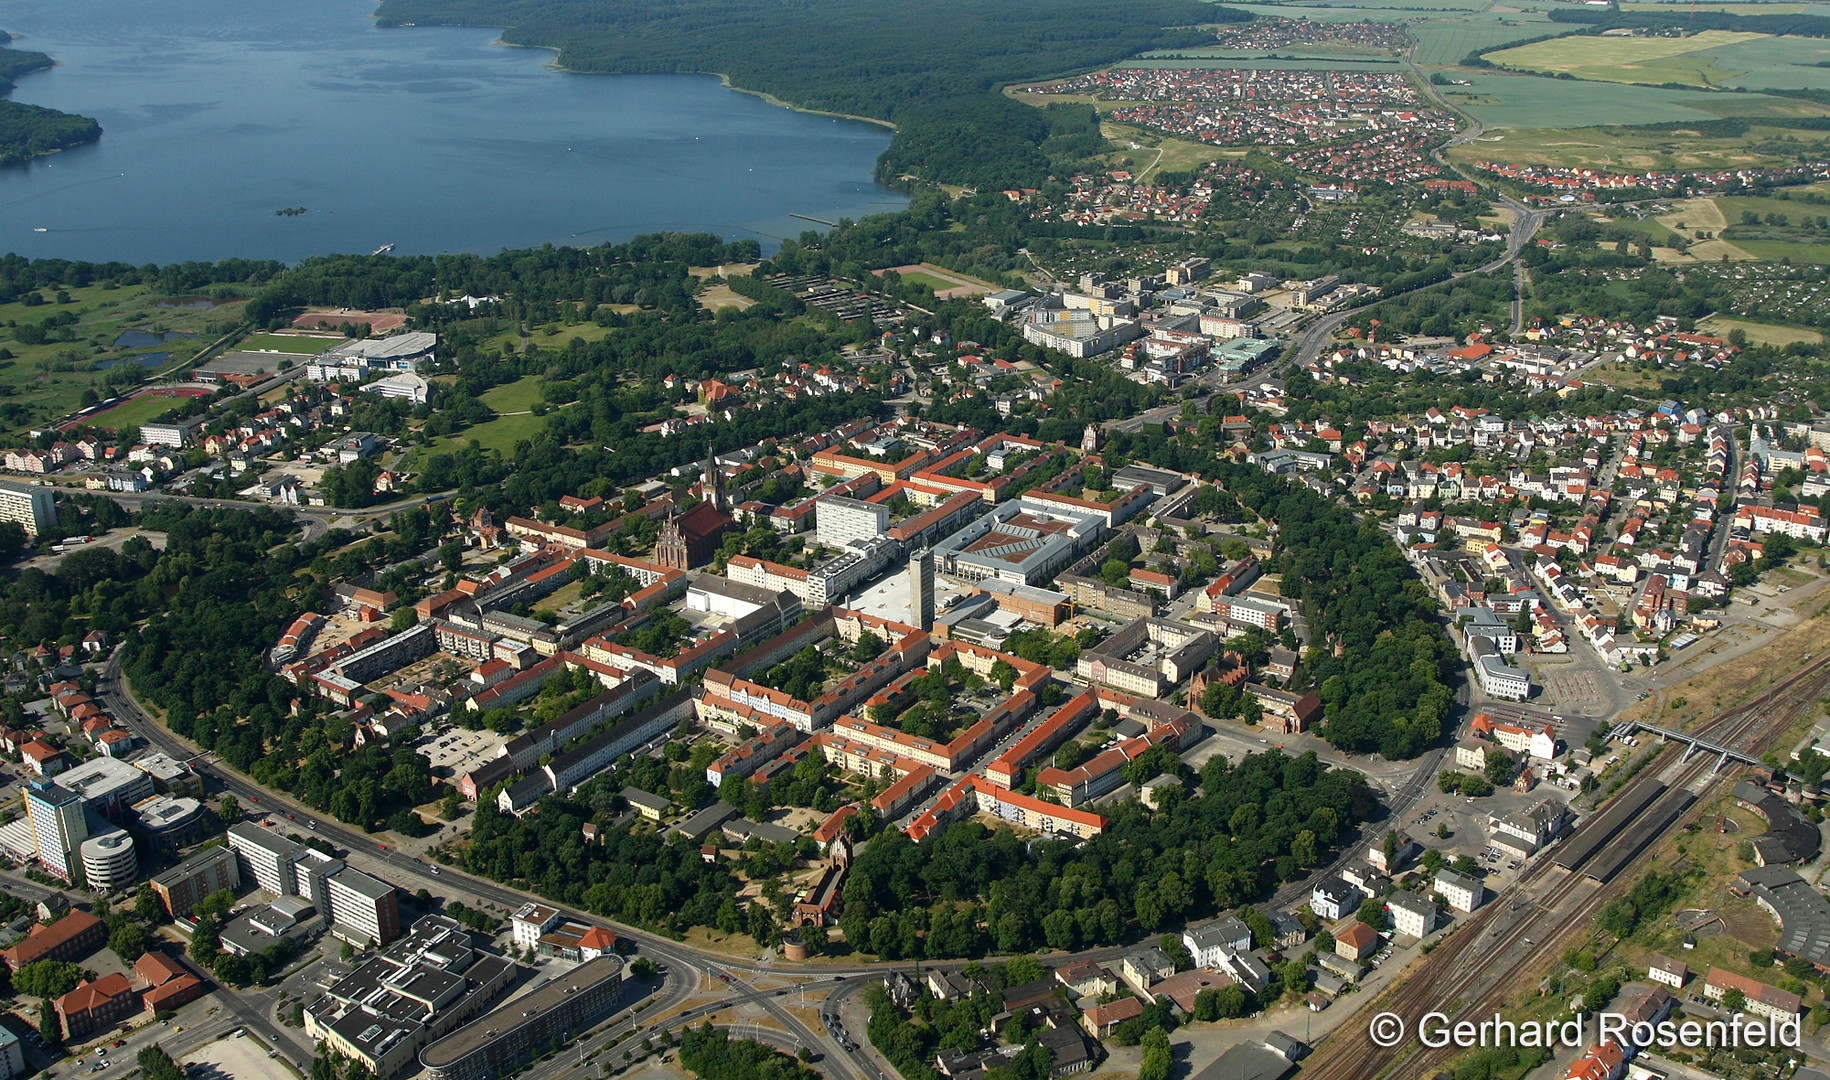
27	131
931	67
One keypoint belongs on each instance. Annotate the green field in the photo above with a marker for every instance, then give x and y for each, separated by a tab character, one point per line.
1612	148
1770	63
44	382
1774	250
516	397
1447	40
285	343
1762	333
1527	101
500	434
1651	60
134	413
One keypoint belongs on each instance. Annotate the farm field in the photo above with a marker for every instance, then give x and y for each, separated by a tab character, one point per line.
43	382
1651	60
1529	101
1770	63
1727	8
1613	148
1446	40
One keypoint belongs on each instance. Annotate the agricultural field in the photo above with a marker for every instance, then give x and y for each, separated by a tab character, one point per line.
1447	40
1525	101
1771	63
1611	148
1650	60
119	336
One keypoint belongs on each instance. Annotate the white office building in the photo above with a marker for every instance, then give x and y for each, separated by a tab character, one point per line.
841	520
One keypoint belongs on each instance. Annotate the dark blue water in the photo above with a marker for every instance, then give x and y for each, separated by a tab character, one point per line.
140	339
216	113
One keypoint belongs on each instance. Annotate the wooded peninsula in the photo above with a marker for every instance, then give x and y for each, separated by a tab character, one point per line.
27	131
931	67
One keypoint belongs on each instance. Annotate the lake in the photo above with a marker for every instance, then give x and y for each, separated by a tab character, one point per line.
216	113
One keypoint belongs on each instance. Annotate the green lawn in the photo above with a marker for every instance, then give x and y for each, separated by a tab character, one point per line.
516	397
284	343
500	434
134	413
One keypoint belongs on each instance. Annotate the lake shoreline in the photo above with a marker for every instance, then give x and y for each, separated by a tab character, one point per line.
723	80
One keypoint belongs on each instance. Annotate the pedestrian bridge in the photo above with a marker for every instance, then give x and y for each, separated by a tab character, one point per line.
1693	744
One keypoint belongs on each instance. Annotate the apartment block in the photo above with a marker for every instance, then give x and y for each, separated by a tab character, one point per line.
32	507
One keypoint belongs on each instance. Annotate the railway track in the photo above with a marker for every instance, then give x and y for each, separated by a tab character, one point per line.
1471	973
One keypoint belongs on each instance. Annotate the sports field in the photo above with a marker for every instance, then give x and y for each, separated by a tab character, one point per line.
287	343
133	413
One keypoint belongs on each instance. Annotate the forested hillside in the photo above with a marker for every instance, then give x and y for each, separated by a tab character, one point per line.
932	67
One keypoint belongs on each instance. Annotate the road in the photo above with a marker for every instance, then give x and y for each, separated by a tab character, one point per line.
316	520
411	874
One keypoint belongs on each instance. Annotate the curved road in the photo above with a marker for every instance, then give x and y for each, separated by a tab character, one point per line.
413	873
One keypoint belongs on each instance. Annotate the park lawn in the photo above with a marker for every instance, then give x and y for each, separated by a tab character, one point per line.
500	434
559	335
516	397
1759	333
1179	155
134	413
1652	60
285	343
